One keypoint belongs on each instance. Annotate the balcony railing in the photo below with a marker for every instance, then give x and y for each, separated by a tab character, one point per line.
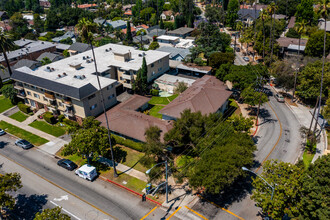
126	76
18	86
49	96
127	85
21	94
69	112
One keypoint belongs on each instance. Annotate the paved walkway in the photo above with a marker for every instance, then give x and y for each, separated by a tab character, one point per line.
34	117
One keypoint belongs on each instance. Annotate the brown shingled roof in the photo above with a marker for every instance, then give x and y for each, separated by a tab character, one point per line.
286	41
125	119
292	22
206	95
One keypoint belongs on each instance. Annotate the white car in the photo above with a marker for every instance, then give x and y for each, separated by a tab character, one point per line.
87	172
2	132
246	59
279	97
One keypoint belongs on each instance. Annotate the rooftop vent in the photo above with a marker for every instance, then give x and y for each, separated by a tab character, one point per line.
140	55
84	58
83	76
110	48
106	50
48	67
52	69
92	60
59	76
74	76
64	74
88	61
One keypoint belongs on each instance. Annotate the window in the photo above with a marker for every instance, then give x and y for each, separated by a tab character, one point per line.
28	92
45	99
93	107
121	78
60	103
42	90
159	61
159	69
152	65
110	97
109	87
33	87
90	97
36	95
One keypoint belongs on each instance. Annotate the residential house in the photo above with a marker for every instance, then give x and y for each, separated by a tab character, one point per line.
119	24
31	51
100	21
292	22
23	42
206	95
21	63
182	32
322	25
69	34
168	83
185	43
168	40
167	16
175	53
68	86
191	69
52	56
290	46
141	39
87	6
78	47
44	4
128	121
133	31
248	16
128	13
3	15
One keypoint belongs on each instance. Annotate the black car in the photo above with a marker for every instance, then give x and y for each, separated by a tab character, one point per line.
67	164
23	144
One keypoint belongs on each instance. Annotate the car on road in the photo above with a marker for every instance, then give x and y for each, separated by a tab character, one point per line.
67	164
279	97
238	50
87	172
246	59
23	144
2	132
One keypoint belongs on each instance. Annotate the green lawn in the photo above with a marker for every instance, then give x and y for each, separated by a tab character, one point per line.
50	129
132	158
4	104
18	132
154	111
156	100
19	116
307	158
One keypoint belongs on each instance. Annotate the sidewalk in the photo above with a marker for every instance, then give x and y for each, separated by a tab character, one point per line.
304	116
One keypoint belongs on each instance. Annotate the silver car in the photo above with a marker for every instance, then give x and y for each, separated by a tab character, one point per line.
2	132
279	97
24	144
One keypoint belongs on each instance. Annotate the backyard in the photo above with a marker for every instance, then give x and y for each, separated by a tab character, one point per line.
4	104
49	129
19	116
158	103
20	133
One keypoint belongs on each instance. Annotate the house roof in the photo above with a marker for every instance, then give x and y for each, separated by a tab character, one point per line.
79	47
125	119
175	51
2	13
23	42
143	26
167	13
129	12
172	80
296	47
279	16
322	23
69	34
195	68
51	56
125	30
252	13
137	39
206	95
118	23
156	32
25	62
83	6
181	31
286	41
292	22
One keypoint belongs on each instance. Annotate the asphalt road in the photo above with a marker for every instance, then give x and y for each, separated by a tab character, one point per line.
277	138
48	185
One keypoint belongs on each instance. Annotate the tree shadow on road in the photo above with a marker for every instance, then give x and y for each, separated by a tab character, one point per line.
27	206
3	144
235	193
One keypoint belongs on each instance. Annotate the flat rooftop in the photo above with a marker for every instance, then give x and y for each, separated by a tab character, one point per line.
172	80
167	37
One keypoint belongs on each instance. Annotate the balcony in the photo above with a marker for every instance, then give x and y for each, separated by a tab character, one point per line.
127	85
52	107
49	95
21	93
126	76
69	113
53	102
18	86
67	101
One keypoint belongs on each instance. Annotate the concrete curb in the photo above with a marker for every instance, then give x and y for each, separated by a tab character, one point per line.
132	191
255	132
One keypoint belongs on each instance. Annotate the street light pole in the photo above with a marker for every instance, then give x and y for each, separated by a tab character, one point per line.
273	188
166	176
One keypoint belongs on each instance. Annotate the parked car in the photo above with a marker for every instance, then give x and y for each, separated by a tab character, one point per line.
67	164
87	172
279	97
24	144
246	59
2	132
238	50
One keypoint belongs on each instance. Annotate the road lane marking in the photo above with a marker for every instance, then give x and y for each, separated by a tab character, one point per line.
196	213
81	199
149	213
174	213
278	140
66	197
65	210
226	210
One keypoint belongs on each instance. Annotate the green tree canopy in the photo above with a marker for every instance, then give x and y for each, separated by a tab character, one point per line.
129	37
51	214
305	11
252	97
314	47
140	84
232	16
9	182
218	58
10	93
45	61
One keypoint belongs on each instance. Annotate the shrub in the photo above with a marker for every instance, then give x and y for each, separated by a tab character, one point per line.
60	118
71	123
49	117
24	108
128	143
154	92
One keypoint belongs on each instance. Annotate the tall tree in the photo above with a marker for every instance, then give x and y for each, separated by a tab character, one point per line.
9	182
129	37
300	28
305	11
51	214
286	180
140	85
161	24
6	44
315	44
232	16
86	29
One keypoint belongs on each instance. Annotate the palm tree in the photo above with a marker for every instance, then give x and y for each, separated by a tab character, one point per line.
323	12
271	10
85	28
6	44
263	16
300	28
2	68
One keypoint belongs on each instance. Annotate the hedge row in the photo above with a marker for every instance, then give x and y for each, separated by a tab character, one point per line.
24	108
154	92
128	143
49	117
